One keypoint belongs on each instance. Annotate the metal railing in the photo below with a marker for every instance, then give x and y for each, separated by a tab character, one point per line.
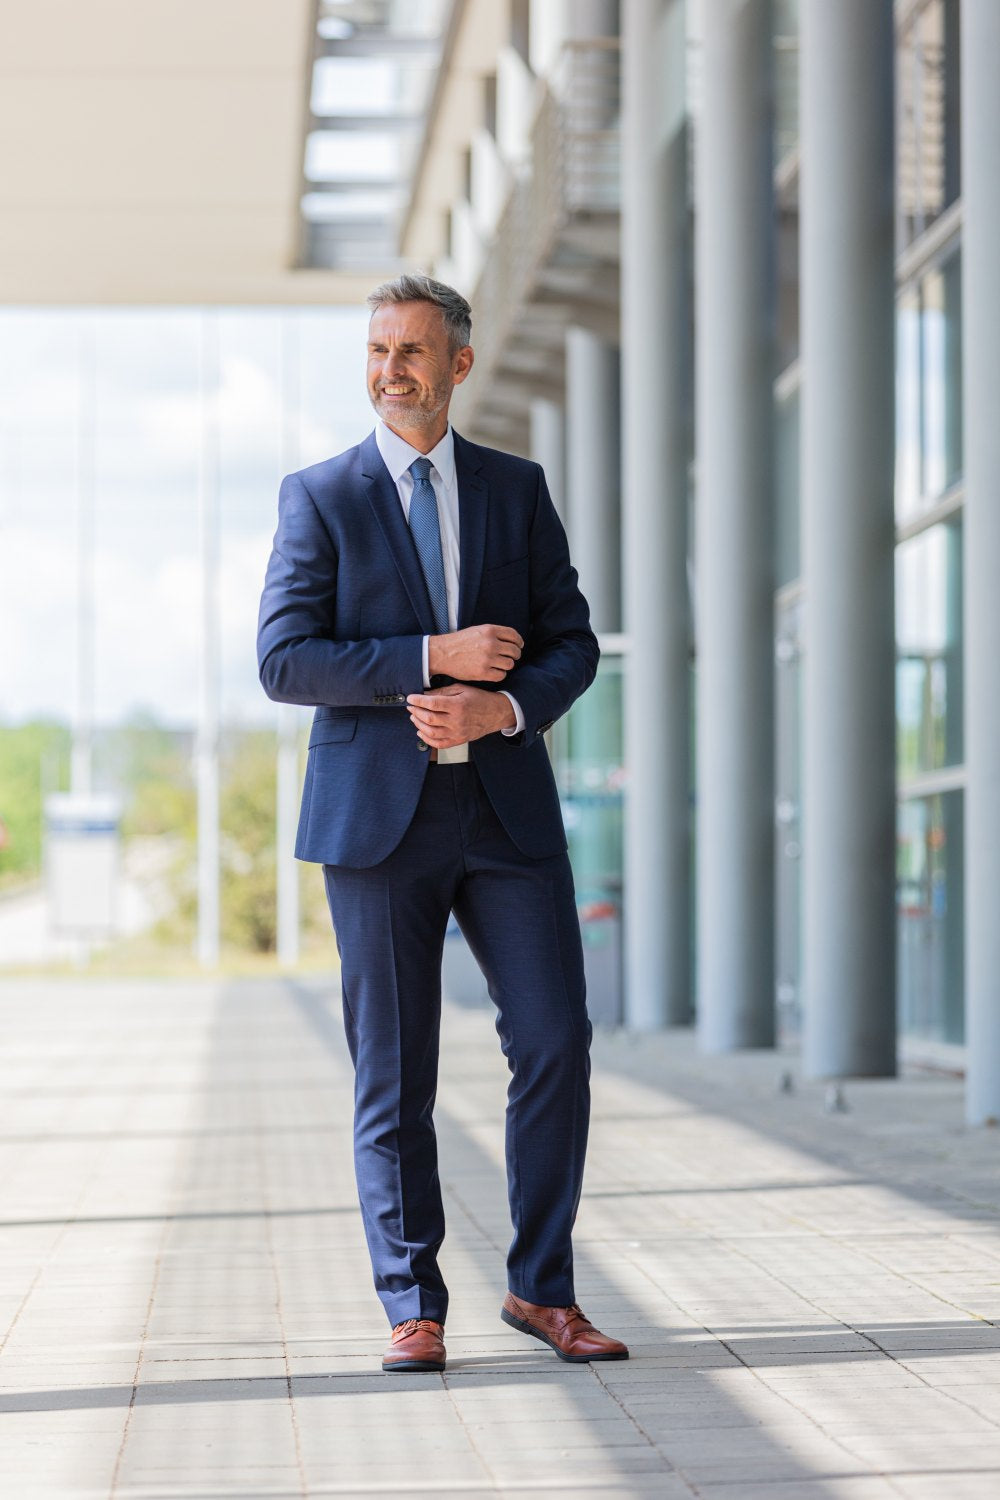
572	174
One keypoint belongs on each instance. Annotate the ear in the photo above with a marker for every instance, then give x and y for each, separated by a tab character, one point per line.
462	364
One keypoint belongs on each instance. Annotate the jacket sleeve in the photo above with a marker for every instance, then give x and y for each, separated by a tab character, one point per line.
298	658
561	653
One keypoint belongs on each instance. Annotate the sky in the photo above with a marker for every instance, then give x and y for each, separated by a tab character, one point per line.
116	404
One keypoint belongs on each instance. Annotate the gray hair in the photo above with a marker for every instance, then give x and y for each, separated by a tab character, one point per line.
416	287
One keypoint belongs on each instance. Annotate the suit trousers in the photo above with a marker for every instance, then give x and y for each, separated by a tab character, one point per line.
519	918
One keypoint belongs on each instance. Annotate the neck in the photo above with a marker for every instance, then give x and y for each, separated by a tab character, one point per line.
422	438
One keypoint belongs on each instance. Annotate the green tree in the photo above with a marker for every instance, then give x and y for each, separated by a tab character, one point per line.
151	765
247	813
33	760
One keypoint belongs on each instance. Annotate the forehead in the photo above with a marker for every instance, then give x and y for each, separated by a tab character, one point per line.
408	322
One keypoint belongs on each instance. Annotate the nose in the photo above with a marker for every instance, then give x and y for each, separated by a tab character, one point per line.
393	363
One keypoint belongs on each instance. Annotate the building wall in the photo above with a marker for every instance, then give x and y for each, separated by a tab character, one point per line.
575	282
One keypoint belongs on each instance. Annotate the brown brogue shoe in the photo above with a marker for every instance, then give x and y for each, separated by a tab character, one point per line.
564	1329
417	1344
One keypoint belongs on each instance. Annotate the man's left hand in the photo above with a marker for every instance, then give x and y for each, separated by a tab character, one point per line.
455	714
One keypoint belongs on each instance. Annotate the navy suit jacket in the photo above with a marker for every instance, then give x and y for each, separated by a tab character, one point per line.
342	620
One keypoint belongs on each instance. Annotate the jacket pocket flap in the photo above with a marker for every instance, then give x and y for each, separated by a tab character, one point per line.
332	731
501	571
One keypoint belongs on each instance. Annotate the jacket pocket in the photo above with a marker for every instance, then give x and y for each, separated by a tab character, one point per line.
506	570
332	731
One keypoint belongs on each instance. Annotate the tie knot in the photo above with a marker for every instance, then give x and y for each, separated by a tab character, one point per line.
420	468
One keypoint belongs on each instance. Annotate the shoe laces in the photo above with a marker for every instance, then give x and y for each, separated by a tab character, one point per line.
411	1325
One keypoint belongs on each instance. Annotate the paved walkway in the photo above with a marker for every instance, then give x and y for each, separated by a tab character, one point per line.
813	1300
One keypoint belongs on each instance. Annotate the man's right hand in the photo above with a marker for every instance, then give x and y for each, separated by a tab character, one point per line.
480	653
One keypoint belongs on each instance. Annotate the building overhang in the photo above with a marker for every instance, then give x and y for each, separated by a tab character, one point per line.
155	154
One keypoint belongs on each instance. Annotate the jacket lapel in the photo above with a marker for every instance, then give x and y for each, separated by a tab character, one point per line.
473	498
383	498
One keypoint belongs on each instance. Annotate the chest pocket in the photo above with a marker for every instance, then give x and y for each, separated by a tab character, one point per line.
505	593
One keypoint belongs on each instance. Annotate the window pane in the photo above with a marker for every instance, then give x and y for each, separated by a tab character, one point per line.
588	748
928	116
929	388
929	650
941	329
930	917
908	439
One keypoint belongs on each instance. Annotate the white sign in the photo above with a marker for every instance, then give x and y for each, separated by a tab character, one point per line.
82	858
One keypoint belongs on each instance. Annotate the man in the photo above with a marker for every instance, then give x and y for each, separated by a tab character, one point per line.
420	594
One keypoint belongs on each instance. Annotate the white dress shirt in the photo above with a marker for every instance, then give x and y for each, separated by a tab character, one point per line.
398	455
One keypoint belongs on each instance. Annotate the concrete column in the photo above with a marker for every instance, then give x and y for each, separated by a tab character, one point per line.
289	782
655	431
593	462
734	566
288	775
847	537
82	752
981	334
548	447
593	18
209	664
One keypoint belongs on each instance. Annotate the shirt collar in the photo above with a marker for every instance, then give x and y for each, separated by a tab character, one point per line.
398	454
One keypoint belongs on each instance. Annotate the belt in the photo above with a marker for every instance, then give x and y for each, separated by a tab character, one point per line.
447	757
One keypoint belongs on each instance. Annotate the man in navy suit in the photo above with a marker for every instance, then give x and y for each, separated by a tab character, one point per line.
420	595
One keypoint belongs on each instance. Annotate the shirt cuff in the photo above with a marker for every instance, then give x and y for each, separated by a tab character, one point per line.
426	659
519	716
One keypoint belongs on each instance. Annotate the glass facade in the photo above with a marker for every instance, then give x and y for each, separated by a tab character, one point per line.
929	742
588	752
929	473
927	123
118	413
930	907
929	651
929	388
590	757
929	685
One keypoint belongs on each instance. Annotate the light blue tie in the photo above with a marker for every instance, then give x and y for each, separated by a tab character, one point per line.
426	532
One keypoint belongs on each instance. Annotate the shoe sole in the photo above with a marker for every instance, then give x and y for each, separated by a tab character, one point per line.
412	1366
523	1326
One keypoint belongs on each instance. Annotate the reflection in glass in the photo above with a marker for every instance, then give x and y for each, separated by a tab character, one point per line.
588	752
941	327
591	783
929	388
929	650
928	106
909	465
930	917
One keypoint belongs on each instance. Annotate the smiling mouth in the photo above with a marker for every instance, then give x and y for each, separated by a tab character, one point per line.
397	390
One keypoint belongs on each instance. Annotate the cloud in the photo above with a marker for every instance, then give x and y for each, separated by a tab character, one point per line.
146	435
147	630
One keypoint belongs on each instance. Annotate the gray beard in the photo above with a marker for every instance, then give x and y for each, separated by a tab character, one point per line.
410	414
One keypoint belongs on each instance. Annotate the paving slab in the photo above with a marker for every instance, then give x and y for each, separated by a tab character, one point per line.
812	1301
